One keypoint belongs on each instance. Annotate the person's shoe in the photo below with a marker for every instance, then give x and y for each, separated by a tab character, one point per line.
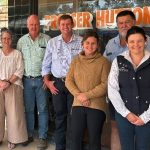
42	144
11	145
30	139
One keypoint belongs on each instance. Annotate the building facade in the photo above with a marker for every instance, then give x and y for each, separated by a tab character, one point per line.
88	14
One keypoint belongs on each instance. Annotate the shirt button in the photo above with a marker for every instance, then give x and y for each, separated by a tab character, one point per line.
146	102
137	97
140	78
133	78
126	101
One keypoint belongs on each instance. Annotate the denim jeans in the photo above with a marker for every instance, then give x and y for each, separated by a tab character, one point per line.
133	137
35	94
62	105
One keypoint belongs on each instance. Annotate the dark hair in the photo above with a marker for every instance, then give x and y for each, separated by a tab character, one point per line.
64	17
134	30
125	13
91	33
3	29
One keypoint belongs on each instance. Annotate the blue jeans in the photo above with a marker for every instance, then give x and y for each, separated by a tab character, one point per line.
133	137
35	94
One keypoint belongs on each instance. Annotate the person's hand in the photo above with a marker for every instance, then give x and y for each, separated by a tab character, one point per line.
134	119
139	122
4	85
52	88
44	86
86	103
82	97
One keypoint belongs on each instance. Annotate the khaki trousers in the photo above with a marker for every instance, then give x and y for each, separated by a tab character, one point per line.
12	109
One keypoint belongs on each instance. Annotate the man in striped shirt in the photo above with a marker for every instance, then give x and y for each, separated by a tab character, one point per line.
59	53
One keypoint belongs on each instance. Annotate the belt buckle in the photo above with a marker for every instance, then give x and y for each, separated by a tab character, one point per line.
31	77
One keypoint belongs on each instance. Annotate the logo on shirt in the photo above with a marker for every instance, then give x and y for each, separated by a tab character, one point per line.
123	68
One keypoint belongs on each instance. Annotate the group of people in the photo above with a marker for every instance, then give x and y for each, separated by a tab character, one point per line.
77	75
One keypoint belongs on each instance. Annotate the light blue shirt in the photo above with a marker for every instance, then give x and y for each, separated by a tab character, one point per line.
59	55
113	48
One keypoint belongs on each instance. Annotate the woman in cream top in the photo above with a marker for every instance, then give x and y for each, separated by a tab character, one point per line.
11	93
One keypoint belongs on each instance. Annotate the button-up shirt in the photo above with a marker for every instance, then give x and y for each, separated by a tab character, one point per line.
59	54
113	48
113	87
33	53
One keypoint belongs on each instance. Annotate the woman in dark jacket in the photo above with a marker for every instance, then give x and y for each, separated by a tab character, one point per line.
129	92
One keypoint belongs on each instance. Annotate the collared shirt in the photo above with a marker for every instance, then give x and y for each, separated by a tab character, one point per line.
113	87
113	48
59	54
33	53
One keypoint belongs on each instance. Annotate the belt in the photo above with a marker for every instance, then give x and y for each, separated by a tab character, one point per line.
31	77
62	79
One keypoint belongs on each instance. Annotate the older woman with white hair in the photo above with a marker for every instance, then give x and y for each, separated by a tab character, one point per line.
11	93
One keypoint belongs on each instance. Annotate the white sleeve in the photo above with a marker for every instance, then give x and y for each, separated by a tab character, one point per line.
145	116
113	90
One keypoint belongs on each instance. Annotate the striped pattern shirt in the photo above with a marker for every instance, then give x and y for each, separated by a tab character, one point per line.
59	55
33	53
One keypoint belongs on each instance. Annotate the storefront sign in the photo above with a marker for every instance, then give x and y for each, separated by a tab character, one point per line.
102	19
3	13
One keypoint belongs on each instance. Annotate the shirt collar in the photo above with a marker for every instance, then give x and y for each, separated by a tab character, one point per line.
117	40
127	56
73	38
40	35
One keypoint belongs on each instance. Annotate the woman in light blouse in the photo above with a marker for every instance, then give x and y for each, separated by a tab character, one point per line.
11	93
129	92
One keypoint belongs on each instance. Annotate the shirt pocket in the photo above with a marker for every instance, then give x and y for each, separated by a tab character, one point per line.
40	52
